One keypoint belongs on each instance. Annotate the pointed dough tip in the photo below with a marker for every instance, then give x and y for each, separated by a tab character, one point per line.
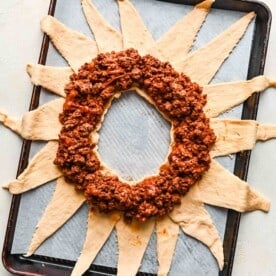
264	205
217	250
29	253
85	2
14	187
2	116
256	201
47	18
6	186
251	15
221	265
29	69
31	249
205	4
30	66
44	20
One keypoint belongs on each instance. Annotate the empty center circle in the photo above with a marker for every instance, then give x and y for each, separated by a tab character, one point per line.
134	138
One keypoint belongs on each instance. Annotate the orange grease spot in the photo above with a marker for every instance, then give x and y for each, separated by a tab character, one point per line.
115	217
163	232
134	226
136	241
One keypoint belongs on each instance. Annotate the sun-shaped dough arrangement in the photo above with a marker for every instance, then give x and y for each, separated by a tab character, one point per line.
217	186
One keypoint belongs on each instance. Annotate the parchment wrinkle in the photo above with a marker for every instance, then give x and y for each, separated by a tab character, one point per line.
40	170
63	205
202	64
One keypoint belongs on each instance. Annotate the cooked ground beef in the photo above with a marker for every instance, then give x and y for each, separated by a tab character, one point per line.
89	93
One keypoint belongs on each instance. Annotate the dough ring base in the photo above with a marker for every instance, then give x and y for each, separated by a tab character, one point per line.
89	94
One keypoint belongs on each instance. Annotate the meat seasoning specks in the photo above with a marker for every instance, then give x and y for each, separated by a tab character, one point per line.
88	95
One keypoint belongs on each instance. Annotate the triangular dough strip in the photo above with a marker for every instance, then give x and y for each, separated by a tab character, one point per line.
39	124
237	135
221	188
233	136
40	170
167	235
75	47
99	228
265	132
180	37
195	221
223	96
11	123
135	33
202	65
64	204
51	78
132	242
107	38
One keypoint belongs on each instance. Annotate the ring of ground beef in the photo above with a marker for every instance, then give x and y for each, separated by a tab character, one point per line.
88	95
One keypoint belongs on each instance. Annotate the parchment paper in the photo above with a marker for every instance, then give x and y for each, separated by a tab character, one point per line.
134	141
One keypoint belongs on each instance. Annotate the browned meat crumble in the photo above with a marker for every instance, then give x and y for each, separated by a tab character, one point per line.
89	93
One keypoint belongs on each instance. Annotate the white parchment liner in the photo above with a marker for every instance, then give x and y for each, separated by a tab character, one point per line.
134	141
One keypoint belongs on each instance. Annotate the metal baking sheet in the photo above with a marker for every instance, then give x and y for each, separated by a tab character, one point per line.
57	255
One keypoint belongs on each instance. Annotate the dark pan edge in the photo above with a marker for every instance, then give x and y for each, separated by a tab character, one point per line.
39	265
250	109
9	260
